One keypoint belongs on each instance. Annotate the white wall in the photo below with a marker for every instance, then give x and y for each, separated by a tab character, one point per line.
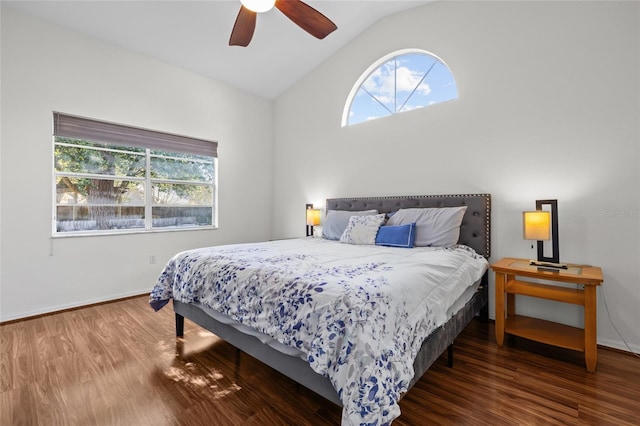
548	108
45	69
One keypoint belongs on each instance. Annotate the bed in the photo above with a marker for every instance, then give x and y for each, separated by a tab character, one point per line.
364	369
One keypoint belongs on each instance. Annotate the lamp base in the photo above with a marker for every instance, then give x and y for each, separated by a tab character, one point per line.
549	265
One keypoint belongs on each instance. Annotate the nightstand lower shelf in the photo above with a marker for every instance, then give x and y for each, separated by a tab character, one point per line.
550	333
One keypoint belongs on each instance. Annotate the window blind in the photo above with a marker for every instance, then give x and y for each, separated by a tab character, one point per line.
70	126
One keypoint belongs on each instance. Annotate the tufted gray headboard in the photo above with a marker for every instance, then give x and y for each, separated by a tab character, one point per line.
475	230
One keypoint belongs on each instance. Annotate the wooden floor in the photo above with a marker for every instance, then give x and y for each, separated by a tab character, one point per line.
120	364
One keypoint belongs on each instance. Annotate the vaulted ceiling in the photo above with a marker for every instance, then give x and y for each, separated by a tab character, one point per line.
194	35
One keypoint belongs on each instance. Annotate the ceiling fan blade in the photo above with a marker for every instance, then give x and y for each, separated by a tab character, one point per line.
306	17
244	27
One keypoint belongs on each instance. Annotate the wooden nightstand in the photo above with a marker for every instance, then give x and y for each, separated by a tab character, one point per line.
589	277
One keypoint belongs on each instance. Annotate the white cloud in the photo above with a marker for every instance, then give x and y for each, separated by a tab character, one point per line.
409	79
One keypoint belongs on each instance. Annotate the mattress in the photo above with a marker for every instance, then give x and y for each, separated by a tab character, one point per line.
288	350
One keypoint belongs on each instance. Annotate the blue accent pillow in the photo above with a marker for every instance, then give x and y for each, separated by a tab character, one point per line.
397	236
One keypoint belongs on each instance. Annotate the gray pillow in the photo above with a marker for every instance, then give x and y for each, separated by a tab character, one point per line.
437	227
336	222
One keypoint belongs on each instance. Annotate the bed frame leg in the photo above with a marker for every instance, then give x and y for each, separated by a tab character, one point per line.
236	374
484	313
450	356
179	325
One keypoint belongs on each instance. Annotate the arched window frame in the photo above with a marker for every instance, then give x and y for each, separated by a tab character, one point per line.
377	64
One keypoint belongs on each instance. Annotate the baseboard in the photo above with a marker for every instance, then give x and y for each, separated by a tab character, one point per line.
70	307
619	346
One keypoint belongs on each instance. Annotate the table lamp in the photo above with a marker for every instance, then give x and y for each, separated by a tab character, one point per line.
313	219
542	225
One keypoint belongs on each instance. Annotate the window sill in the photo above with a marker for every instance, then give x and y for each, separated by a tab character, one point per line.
130	232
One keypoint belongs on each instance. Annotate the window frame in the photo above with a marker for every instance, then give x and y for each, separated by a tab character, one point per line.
373	67
148	179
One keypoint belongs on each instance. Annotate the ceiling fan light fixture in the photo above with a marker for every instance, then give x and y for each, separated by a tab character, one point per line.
303	15
258	6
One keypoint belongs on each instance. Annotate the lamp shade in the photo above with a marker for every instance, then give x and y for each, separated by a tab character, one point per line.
536	225
313	217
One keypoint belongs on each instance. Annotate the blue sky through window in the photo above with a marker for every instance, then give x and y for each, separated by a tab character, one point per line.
405	82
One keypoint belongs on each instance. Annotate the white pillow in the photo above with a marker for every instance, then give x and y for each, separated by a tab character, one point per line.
336	221
437	227
362	229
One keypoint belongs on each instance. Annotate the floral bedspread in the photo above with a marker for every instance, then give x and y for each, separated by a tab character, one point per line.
359	313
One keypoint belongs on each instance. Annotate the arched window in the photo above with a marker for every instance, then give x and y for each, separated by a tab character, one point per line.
401	81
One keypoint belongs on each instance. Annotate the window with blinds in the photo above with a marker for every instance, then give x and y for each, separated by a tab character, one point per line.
112	178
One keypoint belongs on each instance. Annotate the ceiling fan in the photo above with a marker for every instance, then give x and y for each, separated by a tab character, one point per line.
305	16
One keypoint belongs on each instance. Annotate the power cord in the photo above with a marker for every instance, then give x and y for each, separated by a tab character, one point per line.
606	308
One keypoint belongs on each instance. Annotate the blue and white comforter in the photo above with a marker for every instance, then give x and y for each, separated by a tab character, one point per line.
359	313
